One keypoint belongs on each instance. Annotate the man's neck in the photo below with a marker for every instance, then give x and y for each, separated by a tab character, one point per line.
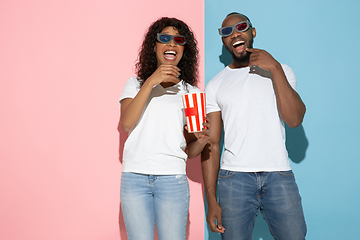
235	65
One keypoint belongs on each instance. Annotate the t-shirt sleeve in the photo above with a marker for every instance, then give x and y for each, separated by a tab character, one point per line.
211	103
289	75
130	89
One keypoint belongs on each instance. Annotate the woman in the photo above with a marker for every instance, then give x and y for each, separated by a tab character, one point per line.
154	186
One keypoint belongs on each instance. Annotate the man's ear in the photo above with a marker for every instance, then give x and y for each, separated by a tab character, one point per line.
253	31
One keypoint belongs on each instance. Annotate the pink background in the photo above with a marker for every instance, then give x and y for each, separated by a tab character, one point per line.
63	64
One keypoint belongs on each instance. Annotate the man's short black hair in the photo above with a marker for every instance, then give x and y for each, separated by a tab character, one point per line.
236	13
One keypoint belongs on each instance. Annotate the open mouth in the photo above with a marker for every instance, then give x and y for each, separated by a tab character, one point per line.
170	55
238	45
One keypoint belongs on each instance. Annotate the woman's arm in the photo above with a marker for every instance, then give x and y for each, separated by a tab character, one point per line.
131	108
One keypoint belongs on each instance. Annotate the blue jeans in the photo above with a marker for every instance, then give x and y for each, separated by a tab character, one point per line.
150	199
241	194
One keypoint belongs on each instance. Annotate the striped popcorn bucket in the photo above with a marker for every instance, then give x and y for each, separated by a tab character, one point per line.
195	111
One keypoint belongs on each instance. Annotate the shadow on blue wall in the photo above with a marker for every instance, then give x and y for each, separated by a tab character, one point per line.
296	145
225	57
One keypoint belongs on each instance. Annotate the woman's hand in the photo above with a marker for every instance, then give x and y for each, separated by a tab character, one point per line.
203	136
164	73
197	141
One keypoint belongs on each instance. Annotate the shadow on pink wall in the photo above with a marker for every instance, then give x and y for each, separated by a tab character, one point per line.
193	172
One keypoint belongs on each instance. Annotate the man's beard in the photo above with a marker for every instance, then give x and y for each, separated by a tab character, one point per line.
241	59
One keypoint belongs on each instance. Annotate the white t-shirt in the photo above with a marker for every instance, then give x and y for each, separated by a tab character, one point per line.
156	144
254	138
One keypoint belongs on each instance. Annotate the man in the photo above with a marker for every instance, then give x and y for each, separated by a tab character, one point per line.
251	99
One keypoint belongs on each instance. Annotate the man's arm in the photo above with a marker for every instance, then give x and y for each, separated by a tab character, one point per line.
290	106
210	164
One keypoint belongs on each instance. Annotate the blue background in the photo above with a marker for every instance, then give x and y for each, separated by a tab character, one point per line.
319	41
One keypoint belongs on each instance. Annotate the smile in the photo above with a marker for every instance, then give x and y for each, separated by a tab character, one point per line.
238	44
170	55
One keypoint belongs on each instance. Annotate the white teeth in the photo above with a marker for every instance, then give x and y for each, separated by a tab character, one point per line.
238	42
171	55
170	52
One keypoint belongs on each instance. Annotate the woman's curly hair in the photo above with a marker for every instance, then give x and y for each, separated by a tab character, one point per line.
147	62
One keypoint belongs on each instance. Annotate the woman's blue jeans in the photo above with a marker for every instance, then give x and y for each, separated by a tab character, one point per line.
147	200
277	196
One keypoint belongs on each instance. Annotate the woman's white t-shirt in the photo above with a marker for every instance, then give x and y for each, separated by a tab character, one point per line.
156	144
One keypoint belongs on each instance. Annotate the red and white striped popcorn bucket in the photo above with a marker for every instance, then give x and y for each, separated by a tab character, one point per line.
195	111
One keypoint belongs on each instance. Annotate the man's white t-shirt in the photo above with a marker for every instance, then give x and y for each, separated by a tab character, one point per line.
156	144
254	134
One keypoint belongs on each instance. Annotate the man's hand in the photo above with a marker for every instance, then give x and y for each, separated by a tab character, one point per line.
262	59
215	213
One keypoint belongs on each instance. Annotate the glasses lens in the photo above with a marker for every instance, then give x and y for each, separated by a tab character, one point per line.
179	40
226	31
164	38
241	26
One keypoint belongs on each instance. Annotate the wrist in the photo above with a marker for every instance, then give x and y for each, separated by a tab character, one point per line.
149	84
275	67
211	198
212	202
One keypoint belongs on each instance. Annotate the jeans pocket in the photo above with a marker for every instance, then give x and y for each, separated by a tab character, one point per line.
223	174
286	173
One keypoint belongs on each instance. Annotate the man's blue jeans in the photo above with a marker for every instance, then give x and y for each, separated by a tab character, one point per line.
241	194
150	199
